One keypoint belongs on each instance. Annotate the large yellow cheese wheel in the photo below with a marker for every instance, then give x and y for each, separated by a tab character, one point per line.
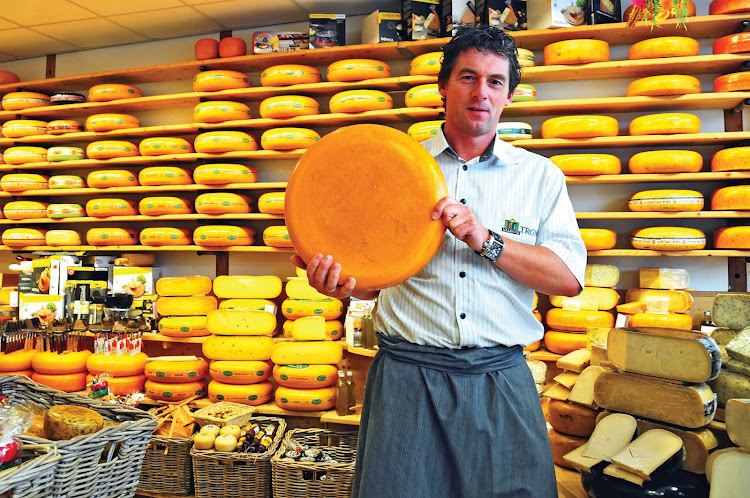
102	208
165	175
424	130
69	383
17	128
305	400
680	301
237	322
69	362
216	142
305	376
240	372
578	320
23	210
277	236
247	286
605	297
732	237
23	237
161	146
307	352
272	203
667	123
219	347
19	360
63	238
667	84
735	197
122	386
110	149
598	239
665	320
157	206
665	161
217	80
62	126
563	342
668	239
57	154
18	182
58	211
664	46
289	74
116	366
300	288
223	236
360	101
424	96
222	203
288	106
357	70
334	329
109	122
163	391
15	101
731	159
249	394
185	305
196	285
176	371
734	82
239	303
426	64
113	91
576	52
183	326
166	236
24	155
218	111
587	164
288	138
330	308
583	126
112	236
66	181
112	178
666	200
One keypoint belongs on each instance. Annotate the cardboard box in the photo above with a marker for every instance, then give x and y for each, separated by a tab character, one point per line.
508	15
463	14
134	280
381	27
327	30
426	19
41	279
279	41
544	14
46	307
59	265
604	11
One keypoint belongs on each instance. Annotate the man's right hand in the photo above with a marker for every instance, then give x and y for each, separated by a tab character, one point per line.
323	275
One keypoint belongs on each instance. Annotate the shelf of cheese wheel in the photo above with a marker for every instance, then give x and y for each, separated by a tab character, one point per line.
660	301
733	337
176	378
125	371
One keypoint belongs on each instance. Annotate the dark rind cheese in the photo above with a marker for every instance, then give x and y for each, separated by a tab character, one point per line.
680	484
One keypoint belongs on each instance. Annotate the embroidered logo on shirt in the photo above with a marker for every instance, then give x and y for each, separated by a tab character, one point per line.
514	227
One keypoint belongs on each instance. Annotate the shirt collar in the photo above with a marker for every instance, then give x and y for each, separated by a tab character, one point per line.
507	153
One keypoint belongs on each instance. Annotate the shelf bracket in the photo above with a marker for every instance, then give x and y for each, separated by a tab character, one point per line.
743	26
737	274
741	106
405	52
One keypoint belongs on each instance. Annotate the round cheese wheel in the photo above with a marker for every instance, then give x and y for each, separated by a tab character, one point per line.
214	142
560	342
668	239
247	286
55	154
240	372
109	122
18	182
24	155
526	58
424	130
307	352
272	203
734	82
15	101
661	320
18	128
668	123
330	309
165	175
161	146
59	211
68	362
25	210
719	7
113	91
277	236
289	74
183	326
122	386
572	419
536	345
357	70
111	236
664	46
305	400
63	238
666	200
63	98
165	236
241	322
665	161
735	197
731	159
576	52
360	101
524	93
24	237
288	138
68	383
334	329
158	206
250	394
66	181
424	96
18	360
737	43
162	391
107	178
578	320
110	149
223	235
305	376
584	126
185	305
8	77
62	126
288	106
243	348
668	84
598	239
218	111
426	64
196	285
223	173
116	366
222	203
732	237
587	164
217	80
176	372
244	304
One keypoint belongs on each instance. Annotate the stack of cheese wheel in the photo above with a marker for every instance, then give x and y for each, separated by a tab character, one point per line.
62	371
125	371
242	339
299	288
587	164
17	363
660	300
176	378
665	161
598	239
179	292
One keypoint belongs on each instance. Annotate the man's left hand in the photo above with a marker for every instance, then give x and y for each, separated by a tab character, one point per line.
461	222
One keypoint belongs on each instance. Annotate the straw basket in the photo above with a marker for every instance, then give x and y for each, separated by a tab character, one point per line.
167	467
239	414
34	477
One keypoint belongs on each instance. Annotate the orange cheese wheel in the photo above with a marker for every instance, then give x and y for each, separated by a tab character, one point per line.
289	74
165	175
534	346
288	106
424	130
111	236
288	138
576	52
426	64
563	342
158	206
122	386
666	200
223	236
61	126
66	181
360	101
217	80
116	366
102	208
218	111
583	126
277	236
161	146
667	84
667	123
665	161
58	211
305	400
737	43
214	142
731	159
63	238
578	320
250	394
732	237
598	239
195	285
587	164
18	182
334	329
162	391
668	239
718	7
24	237
572	419
664	46
665	320
68	362
357	70
165	236
107	178
424	96
113	91
183	326
68	383
15	101
223	173
185	305
222	203
18	128
176	372
24	155
735	197
19	360
8	77
110	149
24	210
109	122
240	372
734	82
272	203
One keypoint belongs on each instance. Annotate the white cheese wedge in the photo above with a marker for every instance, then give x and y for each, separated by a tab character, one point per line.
575	361
730	476
567	379
649	452
610	436
737	418
583	390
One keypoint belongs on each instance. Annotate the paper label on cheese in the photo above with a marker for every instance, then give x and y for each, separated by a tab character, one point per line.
667	201
669	241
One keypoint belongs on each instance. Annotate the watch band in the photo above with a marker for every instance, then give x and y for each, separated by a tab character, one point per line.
493	247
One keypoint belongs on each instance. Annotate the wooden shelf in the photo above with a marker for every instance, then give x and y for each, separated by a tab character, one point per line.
138	248
146	190
273	409
544	355
569	483
91	136
362	351
684	139
663	216
142	218
658	177
332	417
150	336
719	253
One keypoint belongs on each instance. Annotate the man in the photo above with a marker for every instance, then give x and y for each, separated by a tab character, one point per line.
450	407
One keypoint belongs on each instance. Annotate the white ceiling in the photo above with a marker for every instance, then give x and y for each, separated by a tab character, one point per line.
31	28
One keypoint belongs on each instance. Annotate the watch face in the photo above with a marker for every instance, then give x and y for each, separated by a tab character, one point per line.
494	247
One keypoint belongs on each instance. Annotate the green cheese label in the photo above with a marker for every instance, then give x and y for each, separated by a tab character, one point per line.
227	373
193	374
160	374
317	401
284	400
252	397
321	378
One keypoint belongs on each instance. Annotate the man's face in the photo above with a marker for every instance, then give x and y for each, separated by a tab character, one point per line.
476	92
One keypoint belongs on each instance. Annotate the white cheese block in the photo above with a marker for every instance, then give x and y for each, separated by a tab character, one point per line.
731	478
715	454
601	275
599	354
649	452
732	310
579	461
737	418
575	361
610	436
663	278
583	390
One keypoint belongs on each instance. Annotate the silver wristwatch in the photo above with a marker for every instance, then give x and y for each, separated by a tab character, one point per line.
493	247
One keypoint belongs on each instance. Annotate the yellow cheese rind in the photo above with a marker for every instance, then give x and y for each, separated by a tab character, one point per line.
63	238
289	138
240	372
15	101
662	320
183	326
64	422
668	123
161	146
23	237
111	236
606	297
216	142
578	321
424	96
665	161
309	328
272	203
587	164
110	149
112	178
237	322
426	64
288	106
309	353
214	81
196	285
598	239
736	197
103	208
222	203
223	236
247	286
218	111
306	400
668	239
176	372
68	383
584	126
18	182
165	175
277	236
564	342
221	174
305	376
562	444
238	348
350	101
664	46
24	155
247	304
23	210
667	84
289	74
679	301
732	237
297	308
68	362
116	366
110	122
666	200
357	70
185	306
250	394
163	391
334	329
165	236
424	130
300	288
157	206
576	52
731	159
107	92
18	128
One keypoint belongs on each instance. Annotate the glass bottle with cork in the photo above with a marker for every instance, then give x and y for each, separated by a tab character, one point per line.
342	395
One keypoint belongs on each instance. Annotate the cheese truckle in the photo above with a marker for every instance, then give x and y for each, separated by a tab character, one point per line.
587	164
165	236
583	126
24	155
66	182
103	208
161	205
734	82
247	286
272	203
243	348
22	210
116	366
183	326
330	308
122	386
110	122
718	7
59	211
24	237
196	285
223	236
68	362
730	44
426	64
250	394
161	146
217	111
15	101
668	123
62	126
578	321
664	46
185	305
68	383
222	203
112	236
731	159
56	154
238	303
305	376
217	80
110	149
288	106
334	329
176	371
668	239
16	361
665	161
350	101
224	173
165	175
107	92
289	74
300	288
305	400
732	237
277	236
598	239
735	197
678	321
18	182
17	128
357	70
424	96
288	138
424	130
560	342
605	297
163	391
217	142
667	84
576	52
63	238
241	322
666	200
240	372
307	353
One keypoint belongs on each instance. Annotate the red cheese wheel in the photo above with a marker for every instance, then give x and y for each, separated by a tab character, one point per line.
734	82
732	44
718	7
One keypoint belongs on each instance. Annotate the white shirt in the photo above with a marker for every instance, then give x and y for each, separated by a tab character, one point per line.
461	299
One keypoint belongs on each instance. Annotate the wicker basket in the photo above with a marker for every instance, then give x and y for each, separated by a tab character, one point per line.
104	464
236	475
34	477
303	479
167	466
205	416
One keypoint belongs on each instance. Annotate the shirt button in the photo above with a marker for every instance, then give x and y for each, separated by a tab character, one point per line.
462	315
462	274
465	167
463	201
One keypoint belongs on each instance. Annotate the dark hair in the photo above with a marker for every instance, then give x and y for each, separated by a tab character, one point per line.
486	40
